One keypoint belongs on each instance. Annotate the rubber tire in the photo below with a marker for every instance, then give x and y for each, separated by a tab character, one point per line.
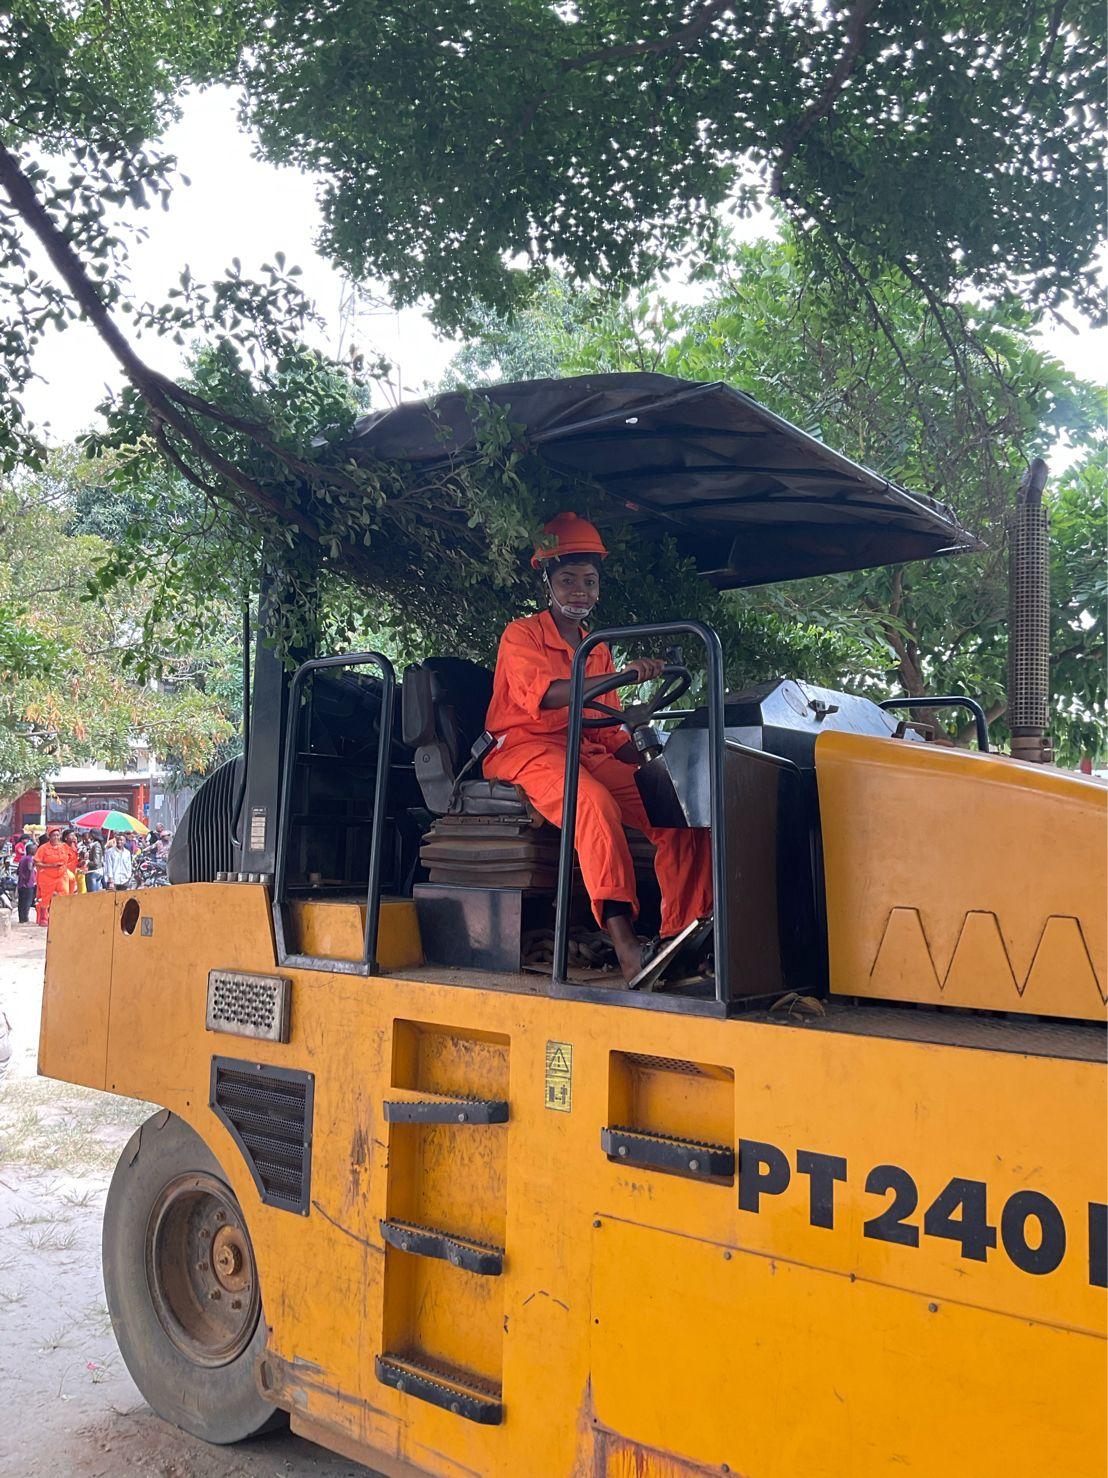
220	1405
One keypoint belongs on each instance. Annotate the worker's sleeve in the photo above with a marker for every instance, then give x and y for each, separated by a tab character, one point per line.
612	739
524	665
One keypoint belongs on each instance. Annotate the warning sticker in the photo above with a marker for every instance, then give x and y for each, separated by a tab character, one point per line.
257	829
559	1076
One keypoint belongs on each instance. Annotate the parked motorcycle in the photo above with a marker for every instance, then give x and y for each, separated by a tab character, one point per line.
9	886
150	872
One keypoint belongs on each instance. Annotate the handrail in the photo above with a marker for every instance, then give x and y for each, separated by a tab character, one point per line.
980	722
369	963
714	652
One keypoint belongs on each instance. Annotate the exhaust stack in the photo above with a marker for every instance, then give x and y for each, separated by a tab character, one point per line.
1029	619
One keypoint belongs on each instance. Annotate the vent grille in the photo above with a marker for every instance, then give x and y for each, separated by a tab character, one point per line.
245	1005
666	1064
211	847
268	1113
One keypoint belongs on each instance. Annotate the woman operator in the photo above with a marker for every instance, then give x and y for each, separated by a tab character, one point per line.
528	717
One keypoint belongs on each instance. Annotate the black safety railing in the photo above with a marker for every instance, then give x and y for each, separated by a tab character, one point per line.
714	663
368	964
980	722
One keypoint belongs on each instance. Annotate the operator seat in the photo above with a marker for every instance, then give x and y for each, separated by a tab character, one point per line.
443	705
486	834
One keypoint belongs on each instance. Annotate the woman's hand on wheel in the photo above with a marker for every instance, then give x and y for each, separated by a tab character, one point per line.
644	669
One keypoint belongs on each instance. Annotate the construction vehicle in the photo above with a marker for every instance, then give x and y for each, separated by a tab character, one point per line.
838	1208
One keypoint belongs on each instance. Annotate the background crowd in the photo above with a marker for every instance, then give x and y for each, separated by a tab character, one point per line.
68	860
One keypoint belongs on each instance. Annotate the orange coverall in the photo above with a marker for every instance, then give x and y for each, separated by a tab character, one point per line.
53	870
531	753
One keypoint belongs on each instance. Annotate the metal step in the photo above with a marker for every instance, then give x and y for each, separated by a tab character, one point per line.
441	1386
692	1157
408	1106
461	1252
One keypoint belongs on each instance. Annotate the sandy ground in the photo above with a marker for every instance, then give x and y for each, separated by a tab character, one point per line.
68	1408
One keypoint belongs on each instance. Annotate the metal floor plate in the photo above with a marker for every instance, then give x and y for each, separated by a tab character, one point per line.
1076	1040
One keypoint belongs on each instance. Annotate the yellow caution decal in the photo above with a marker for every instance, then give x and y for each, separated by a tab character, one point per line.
559	1076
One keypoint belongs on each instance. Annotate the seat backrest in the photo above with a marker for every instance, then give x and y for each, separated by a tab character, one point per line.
463	694
443	706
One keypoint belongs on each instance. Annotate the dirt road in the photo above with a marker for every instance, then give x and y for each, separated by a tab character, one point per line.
68	1408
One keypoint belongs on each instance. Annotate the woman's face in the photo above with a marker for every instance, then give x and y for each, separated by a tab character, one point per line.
576	588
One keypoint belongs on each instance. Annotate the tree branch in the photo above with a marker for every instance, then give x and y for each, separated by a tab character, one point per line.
150	385
1053	28
702	20
871	302
821	106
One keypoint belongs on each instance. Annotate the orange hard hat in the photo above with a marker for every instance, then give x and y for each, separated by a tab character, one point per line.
567	534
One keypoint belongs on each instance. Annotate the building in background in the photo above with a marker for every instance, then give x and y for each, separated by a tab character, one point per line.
72	790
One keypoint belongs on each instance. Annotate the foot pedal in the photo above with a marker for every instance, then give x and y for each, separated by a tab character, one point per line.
439	1108
460	1252
692	1157
464	1395
689	942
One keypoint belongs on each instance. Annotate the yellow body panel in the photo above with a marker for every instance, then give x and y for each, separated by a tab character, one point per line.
336	931
963	879
644	1323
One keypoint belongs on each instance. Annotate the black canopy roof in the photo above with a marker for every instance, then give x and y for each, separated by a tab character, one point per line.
749	496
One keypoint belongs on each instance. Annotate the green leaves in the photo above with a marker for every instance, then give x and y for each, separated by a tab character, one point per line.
77	653
958	141
956	415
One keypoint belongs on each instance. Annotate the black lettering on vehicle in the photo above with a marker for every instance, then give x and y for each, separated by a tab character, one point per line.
822	1171
763	1171
1098	1244
1021	1208
972	1228
891	1225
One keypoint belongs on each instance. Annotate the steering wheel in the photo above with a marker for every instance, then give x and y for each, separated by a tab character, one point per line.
676	681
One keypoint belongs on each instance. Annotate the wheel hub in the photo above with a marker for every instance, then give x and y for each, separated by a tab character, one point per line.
231	1258
200	1270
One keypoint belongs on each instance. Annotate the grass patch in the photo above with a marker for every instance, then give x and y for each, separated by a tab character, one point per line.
58	1341
97	1318
11	1298
48	1128
33	1219
52	1239
79	1199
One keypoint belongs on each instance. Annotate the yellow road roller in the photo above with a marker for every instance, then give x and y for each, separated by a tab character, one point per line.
427	1182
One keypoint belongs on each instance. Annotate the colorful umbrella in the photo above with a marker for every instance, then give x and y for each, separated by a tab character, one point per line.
111	821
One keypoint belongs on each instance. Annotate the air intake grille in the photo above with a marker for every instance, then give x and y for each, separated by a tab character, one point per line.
268	1112
211	847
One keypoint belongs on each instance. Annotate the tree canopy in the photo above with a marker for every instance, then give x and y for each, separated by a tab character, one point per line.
937	163
897	394
954	140
69	692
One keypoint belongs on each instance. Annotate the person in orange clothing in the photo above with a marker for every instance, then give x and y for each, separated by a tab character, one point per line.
529	719
52	865
74	873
